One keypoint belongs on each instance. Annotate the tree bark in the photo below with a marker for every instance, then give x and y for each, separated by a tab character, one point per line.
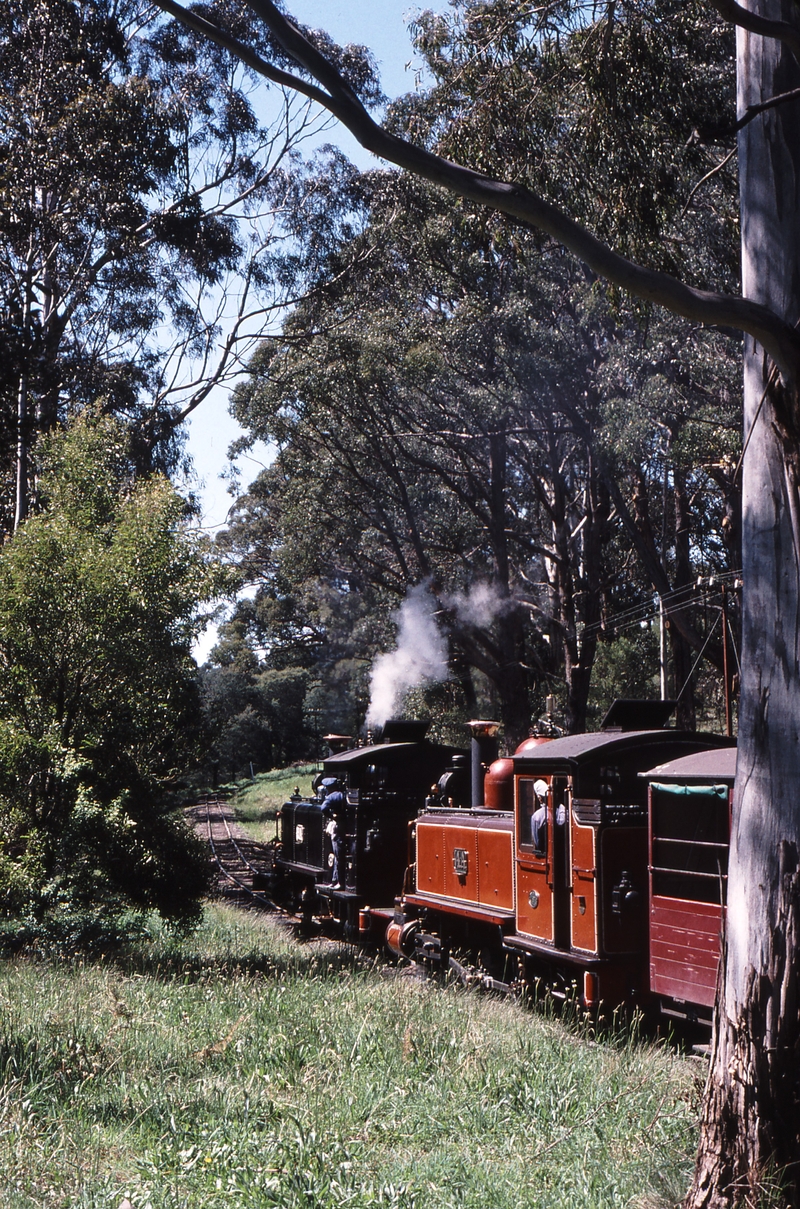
751	1114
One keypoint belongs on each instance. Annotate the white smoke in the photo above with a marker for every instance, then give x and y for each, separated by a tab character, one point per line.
420	656
480	605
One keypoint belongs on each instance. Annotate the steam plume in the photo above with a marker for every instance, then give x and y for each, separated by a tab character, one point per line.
421	656
480	605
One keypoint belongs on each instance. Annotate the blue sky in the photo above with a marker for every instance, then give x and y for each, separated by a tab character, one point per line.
380	25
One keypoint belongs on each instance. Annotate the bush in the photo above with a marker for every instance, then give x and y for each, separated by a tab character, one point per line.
99	702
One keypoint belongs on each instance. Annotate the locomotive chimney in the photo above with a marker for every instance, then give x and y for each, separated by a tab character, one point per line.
483	752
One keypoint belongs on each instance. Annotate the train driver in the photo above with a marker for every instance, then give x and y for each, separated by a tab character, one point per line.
335	802
539	818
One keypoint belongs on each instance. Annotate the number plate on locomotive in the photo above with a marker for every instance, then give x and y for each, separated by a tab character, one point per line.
460	862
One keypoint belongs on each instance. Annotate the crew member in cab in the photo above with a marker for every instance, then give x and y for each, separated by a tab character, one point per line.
539	819
335	802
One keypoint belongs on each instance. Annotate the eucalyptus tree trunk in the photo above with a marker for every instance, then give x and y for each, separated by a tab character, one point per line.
586	586
513	679
751	1113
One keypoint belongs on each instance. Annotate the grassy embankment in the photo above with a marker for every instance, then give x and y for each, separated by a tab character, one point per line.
257	801
241	1068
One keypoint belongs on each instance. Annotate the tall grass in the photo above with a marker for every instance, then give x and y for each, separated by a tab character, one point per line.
257	801
243	1069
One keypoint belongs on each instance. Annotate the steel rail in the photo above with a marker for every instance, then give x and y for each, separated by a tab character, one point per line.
257	895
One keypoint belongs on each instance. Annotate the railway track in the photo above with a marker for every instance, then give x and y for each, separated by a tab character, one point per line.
240	863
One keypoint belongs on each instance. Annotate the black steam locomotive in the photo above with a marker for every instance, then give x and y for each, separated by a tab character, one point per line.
347	848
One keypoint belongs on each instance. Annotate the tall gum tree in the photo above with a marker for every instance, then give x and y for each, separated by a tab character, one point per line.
451	389
140	206
751	1112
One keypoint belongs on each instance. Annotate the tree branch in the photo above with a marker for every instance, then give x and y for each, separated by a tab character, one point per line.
750	113
717	168
784	31
249	57
778	338
753	111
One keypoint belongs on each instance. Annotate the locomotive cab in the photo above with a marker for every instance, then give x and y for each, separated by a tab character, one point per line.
358	863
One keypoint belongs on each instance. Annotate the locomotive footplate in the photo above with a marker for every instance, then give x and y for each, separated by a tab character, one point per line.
464	910
335	891
563	956
298	867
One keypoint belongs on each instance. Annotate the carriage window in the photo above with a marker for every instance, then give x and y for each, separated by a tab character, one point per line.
690	842
527	804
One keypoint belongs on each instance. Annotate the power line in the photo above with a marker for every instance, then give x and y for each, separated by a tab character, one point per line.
704	590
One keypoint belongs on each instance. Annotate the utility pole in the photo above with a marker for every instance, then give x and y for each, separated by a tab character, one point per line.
726	675
662	648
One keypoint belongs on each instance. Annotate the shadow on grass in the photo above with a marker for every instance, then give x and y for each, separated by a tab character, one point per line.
311	960
178	959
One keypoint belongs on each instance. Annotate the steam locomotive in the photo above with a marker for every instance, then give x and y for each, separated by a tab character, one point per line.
348	846
594	861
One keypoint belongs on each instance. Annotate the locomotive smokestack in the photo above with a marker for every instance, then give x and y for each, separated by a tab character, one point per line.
483	752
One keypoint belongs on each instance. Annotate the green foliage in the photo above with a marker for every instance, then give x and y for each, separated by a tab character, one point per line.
625	666
99	709
242	1068
256	718
610	110
291	663
257	801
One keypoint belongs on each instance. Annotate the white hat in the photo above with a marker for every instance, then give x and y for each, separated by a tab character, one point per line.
540	788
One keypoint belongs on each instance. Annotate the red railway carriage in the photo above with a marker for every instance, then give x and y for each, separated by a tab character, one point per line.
690	801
